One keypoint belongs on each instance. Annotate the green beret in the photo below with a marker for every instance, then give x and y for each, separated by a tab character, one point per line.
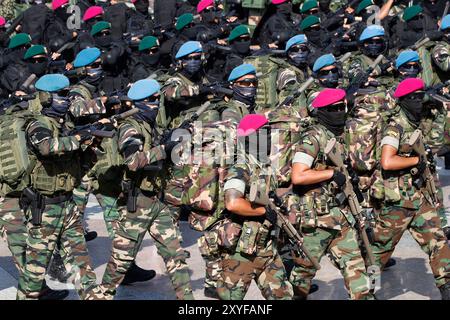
362	5
238	31
19	40
411	12
308	22
308	5
34	51
184	20
99	26
148	42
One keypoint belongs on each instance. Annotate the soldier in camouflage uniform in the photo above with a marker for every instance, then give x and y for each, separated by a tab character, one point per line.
55	174
326	227
407	205
140	209
248	252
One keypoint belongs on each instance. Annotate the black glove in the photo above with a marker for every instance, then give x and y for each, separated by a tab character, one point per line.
168	147
421	166
271	215
339	178
203	89
430	155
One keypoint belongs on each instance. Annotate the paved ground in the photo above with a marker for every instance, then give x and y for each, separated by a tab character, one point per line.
411	278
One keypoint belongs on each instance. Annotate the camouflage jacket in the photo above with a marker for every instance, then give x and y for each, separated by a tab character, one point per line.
441	58
83	102
360	63
314	205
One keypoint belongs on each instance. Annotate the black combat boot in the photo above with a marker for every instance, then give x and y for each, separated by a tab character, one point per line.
390	263
56	270
137	274
89	235
447	232
445	291
211	292
50	294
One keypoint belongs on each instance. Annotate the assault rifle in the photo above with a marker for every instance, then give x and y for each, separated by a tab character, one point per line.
426	177
349	196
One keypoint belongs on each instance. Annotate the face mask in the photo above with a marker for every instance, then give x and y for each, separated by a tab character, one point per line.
241	47
331	80
148	111
324	5
141	6
374	49
209	16
245	95
94	76
285	8
416	23
412	106
58	107
313	35
103	41
38	69
192	66
299	59
151	59
433	8
408	71
333	121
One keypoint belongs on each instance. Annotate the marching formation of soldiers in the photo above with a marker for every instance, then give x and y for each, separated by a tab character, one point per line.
283	130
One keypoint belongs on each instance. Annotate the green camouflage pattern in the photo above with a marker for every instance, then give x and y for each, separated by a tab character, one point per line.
342	248
440	54
82	102
7	9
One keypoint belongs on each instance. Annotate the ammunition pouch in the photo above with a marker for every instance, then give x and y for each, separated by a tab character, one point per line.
254	237
33	200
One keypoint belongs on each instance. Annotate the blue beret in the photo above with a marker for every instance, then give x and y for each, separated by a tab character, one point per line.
445	24
241	70
298	39
86	56
405	57
324	61
188	48
143	89
371	31
52	82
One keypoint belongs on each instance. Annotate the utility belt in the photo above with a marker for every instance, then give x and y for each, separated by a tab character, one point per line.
132	191
37	202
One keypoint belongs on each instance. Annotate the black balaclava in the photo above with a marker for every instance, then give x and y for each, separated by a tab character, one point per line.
324	6
412	105
285	9
148	111
62	13
142	6
332	120
375	47
416	23
38	68
103	41
58	107
409	71
209	16
329	78
245	95
313	35
94	76
241	47
299	58
150	59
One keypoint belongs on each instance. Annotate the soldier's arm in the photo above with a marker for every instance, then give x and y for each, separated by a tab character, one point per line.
235	201
44	144
441	56
79	106
131	146
175	90
307	152
232	115
390	160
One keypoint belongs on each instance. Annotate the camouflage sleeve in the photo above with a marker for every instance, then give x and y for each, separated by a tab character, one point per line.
391	136
441	56
45	144
175	89
231	114
131	146
237	178
307	149
79	106
285	78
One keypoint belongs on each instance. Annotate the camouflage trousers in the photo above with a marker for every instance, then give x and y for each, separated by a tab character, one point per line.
61	223
344	252
13	230
425	227
266	268
152	216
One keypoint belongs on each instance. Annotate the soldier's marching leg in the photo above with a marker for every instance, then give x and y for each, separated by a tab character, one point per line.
166	237
316	240
41	242
346	255
111	213
75	255
237	275
213	270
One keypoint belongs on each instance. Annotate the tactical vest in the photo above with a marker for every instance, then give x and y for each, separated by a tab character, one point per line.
56	173
145	180
16	162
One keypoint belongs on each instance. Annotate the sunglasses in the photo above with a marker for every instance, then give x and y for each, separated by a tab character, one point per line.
314	28
418	95
242	39
94	65
327	72
212	9
374	41
104	33
196	57
247	83
337	107
152	99
38	60
153	50
298	48
313	11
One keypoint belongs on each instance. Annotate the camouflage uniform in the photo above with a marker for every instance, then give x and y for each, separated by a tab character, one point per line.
83	102
7	9
54	176
326	227
408	208
250	255
135	145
